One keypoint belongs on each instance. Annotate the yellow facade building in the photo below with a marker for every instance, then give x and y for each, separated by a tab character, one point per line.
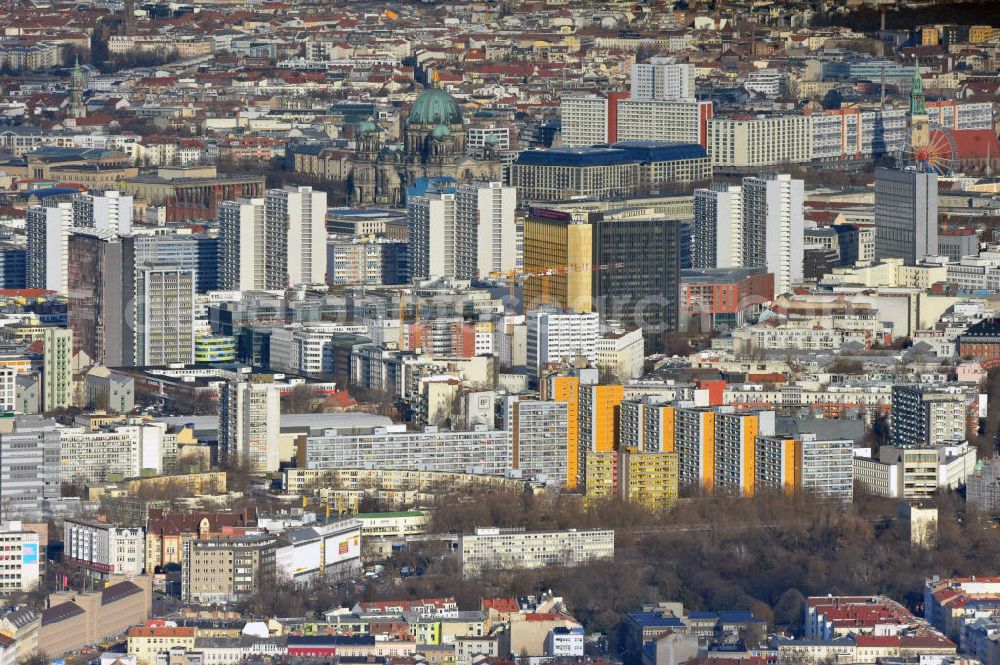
187	484
561	244
601	481
646	479
145	642
981	34
599	419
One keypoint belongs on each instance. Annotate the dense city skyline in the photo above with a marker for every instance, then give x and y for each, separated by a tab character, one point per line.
513	332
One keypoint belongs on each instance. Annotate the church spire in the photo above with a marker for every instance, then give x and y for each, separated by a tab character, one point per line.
78	83
918	104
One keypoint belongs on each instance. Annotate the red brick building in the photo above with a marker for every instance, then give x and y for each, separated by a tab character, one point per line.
722	298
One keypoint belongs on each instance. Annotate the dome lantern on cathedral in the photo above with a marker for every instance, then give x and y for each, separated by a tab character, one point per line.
440	132
367	127
435	107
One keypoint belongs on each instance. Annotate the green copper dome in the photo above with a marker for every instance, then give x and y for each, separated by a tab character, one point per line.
435	107
366	127
440	132
491	139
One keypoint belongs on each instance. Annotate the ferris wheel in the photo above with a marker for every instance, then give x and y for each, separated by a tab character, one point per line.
936	153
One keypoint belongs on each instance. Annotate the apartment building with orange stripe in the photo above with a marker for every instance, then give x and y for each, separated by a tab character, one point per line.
735	448
694	442
822	467
647	424
566	388
599	420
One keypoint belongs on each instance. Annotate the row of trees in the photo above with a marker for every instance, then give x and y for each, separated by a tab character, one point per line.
765	554
868	19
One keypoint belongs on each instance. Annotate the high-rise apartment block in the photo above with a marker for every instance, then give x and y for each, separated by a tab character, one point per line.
249	423
488	209
57	369
720	448
661	107
694	441
586	120
101	307
925	415
29	467
735	448
824	468
554	337
599	420
480	450
437	244
718	224
663	78
244	259
757	224
647	424
48	229
906	215
298	215
95	456
273	242
772	227
673	121
566	388
164	315
760	141
463	231
540	434
110	211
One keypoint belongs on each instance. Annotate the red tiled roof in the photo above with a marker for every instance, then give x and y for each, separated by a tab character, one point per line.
160	631
876	641
24	293
544	616
925	642
501	604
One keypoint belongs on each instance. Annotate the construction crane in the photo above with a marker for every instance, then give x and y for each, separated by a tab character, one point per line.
520	277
